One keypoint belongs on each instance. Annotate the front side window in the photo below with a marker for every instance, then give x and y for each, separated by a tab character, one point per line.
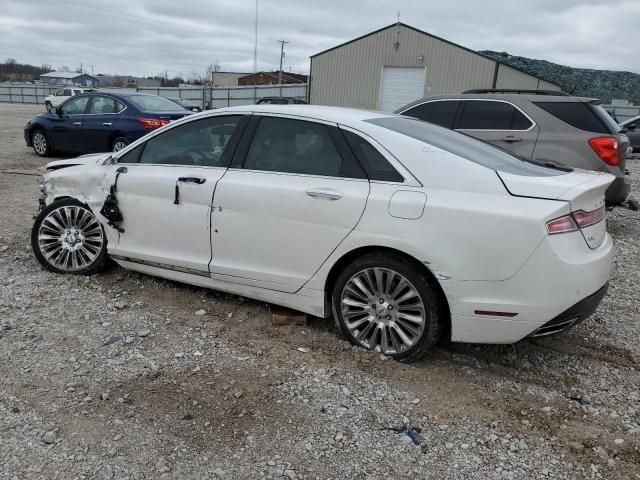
294	146
59	93
75	106
199	143
490	115
441	112
103	105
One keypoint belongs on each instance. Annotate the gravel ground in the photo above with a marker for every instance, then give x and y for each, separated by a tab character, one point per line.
115	376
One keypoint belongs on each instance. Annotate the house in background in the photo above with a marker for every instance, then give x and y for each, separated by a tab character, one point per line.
271	78
69	78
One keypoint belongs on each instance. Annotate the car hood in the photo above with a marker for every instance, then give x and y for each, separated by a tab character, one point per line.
82	160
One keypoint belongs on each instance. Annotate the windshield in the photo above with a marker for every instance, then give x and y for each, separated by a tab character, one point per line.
151	103
464	146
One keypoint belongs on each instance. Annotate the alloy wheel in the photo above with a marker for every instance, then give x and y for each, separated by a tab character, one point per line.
119	146
39	143
383	310
70	238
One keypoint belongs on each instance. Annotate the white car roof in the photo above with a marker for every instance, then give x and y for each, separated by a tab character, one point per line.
329	114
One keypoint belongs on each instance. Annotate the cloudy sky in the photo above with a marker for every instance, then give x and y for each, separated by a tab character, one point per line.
144	37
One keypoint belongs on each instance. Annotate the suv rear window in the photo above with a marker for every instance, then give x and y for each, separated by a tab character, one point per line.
464	146
583	116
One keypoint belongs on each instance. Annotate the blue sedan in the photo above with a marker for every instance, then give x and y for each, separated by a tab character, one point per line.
99	122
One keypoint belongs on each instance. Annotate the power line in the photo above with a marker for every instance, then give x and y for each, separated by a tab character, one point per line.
138	18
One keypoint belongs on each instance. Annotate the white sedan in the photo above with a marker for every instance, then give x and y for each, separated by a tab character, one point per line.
404	231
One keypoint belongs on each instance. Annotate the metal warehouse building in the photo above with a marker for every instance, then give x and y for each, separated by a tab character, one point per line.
69	78
395	65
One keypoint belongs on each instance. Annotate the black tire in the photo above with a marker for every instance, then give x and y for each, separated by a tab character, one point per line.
85	263
118	143
40	142
433	311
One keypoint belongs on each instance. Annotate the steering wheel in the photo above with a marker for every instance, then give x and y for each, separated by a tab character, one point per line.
192	156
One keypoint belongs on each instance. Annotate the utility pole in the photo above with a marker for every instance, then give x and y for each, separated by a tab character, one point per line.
255	44
91	70
81	68
282	44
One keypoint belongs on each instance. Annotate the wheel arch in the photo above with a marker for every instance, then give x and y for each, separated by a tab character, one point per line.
348	257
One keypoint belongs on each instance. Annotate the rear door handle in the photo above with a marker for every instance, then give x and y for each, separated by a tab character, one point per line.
106	124
198	180
324	193
511	139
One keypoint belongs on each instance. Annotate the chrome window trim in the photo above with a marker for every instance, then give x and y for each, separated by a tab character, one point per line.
533	123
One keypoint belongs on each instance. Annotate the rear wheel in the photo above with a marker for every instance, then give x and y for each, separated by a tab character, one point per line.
118	144
384	303
40	143
68	238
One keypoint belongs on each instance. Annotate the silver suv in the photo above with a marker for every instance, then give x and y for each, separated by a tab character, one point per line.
543	126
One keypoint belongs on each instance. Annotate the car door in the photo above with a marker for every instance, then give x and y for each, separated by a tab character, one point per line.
66	127
292	195
498	122
98	123
165	189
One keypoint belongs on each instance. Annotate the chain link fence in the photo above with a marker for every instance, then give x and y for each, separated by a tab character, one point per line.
27	93
219	97
205	97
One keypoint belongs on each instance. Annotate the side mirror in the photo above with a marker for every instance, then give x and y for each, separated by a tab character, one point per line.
53	110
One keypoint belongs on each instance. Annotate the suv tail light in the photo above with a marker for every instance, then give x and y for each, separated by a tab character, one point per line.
575	220
607	149
152	123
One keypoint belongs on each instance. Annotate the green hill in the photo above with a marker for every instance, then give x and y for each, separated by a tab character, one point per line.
603	84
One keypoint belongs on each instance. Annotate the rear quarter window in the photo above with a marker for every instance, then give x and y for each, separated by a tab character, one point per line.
583	116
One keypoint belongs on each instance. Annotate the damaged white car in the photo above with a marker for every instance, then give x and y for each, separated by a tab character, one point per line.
404	231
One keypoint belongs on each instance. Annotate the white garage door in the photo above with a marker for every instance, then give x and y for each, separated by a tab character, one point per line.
401	85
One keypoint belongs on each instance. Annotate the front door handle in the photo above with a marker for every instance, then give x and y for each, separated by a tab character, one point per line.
77	124
511	139
198	180
106	124
324	193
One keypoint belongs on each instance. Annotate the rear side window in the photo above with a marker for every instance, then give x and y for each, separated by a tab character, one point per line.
297	146
490	115
582	116
441	112
375	165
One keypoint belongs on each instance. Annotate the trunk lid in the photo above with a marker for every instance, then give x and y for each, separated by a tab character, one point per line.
584	190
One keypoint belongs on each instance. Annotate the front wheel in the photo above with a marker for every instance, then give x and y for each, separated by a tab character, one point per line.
68	238
383	302
40	143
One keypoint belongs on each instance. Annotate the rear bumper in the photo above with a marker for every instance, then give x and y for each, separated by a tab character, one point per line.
618	191
573	315
561	273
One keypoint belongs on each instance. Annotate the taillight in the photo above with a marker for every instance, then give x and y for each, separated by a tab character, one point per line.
575	220
607	149
152	123
586	219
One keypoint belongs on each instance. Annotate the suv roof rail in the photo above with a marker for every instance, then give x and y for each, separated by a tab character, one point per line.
551	93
